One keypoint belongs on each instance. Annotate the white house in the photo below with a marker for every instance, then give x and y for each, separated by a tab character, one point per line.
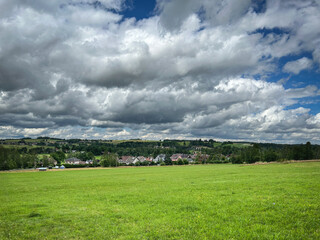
160	158
74	161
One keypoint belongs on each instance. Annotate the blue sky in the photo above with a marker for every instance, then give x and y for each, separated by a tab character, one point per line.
139	9
116	69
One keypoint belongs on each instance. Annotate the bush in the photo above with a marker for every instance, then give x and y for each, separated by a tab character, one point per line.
75	165
270	156
236	160
217	161
109	160
145	163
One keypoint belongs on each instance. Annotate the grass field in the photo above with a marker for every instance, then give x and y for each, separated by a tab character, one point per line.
275	201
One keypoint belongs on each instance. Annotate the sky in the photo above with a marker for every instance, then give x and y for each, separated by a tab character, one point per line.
182	69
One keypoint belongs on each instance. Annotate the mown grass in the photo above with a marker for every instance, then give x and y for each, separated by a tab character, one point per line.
276	201
115	142
235	144
25	146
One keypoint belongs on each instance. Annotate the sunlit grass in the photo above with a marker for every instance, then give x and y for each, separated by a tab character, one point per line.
276	201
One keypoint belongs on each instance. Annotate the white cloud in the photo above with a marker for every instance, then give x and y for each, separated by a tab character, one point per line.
297	66
188	71
33	131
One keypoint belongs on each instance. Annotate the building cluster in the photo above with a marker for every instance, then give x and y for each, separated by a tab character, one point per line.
77	161
132	160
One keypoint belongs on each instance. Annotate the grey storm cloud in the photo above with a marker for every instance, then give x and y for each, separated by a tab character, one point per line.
185	72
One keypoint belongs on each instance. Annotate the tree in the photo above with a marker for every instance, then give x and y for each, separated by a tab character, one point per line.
59	156
45	161
29	160
94	162
168	160
251	154
9	158
109	160
90	156
180	161
65	148
297	153
270	156
236	159
197	160
308	154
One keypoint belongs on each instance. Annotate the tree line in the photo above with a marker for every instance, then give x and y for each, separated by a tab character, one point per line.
14	158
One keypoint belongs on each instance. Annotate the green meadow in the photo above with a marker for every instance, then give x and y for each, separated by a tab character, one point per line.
274	201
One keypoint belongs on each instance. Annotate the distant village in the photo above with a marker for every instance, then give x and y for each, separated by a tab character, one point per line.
141	160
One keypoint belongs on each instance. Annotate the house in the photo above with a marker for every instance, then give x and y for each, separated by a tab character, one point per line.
149	159
138	159
52	161
201	157
89	161
127	160
177	156
160	158
74	161
141	159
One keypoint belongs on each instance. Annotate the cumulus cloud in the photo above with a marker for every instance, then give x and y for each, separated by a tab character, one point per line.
219	12
297	66
188	71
